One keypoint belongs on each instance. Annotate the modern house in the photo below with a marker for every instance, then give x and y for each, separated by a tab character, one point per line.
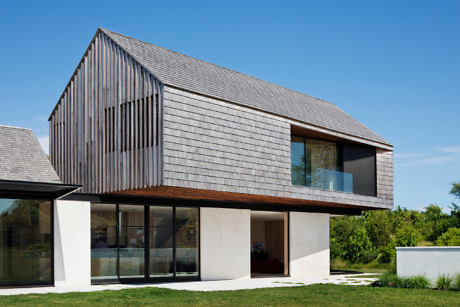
28	187
193	171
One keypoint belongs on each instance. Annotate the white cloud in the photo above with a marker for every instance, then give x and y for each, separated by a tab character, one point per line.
44	143
42	118
451	149
431	160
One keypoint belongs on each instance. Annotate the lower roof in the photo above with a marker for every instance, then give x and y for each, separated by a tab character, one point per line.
39	190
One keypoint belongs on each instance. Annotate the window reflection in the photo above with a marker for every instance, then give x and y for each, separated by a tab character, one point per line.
315	163
161	241
25	241
186	241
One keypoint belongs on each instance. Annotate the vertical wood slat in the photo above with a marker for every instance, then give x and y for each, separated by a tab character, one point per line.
106	131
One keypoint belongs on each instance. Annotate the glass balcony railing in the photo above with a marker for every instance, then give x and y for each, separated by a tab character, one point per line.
331	180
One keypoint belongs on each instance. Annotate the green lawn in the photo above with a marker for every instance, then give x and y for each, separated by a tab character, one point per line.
314	295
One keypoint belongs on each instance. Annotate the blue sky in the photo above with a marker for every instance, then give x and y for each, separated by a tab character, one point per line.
393	65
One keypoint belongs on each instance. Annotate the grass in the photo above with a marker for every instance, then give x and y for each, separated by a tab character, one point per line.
371	267
314	295
412	282
364	276
444	282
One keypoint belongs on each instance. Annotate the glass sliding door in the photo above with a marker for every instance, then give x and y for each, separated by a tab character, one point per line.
161	239
135	243
104	250
25	242
187	241
131	241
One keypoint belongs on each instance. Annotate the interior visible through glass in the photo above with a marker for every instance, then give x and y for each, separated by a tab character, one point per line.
161	241
103	241
187	241
131	245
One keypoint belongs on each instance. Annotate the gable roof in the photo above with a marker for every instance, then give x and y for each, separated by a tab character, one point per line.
181	71
22	158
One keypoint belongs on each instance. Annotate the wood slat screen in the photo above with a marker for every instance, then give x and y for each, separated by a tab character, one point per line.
106	130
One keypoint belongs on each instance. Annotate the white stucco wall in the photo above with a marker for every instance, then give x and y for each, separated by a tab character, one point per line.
309	244
428	261
72	243
225	243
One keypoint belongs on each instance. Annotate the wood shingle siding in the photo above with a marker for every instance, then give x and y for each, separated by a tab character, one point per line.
92	141
137	116
213	145
384	161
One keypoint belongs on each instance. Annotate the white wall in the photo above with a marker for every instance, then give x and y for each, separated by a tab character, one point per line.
309	244
428	261
225	243
72	243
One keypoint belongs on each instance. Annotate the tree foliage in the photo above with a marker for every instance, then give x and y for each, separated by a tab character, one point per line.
374	235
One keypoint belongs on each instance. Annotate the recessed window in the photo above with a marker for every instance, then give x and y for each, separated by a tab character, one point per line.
315	163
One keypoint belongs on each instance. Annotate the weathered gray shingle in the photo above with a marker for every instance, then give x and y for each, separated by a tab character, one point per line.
195	75
22	158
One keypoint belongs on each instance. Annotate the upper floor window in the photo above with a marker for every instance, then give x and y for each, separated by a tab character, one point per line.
333	166
315	163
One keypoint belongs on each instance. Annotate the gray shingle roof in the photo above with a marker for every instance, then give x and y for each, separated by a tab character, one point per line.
188	73
22	158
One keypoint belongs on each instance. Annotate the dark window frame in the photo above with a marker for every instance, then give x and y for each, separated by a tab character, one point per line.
340	161
147	278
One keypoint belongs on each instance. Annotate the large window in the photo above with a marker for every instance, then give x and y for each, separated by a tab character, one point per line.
315	163
333	166
25	242
143	242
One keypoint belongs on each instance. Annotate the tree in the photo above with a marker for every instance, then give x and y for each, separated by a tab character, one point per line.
407	235
378	227
455	189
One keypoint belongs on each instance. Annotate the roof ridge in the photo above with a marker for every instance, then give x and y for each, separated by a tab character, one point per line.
14	127
222	67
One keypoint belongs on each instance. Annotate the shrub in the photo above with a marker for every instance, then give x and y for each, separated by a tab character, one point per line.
388	253
416	282
457	281
392	280
450	238
444	282
359	248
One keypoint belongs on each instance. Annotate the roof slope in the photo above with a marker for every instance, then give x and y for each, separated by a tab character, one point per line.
22	158
188	73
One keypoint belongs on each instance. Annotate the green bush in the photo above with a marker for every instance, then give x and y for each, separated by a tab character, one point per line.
444	282
457	281
392	280
450	238
416	282
359	248
387	253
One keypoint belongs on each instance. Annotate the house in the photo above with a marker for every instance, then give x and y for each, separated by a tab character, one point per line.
28	187
193	171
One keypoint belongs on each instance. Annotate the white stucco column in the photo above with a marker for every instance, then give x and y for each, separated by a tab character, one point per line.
225	243
309	244
72	243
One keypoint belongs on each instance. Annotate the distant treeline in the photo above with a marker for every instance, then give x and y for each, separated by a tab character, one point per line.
374	235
